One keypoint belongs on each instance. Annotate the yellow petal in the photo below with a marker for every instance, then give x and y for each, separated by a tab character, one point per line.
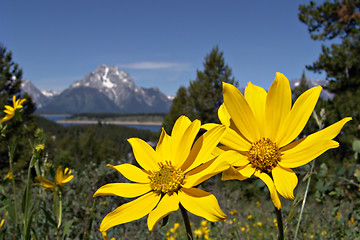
186	142
14	100
232	174
6	118
144	154
224	115
22	101
235	140
164	148
271	186
203	147
240	112
247	171
131	172
59	175
305	152
211	168
45	183
256	98
67	179
209	126
130	211
302	151
298	117
234	158
167	204
180	126
9	112
9	108
201	203
285	181
278	105
128	190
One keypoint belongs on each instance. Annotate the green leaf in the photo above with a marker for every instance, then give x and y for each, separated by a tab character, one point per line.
28	225
9	205
323	170
356	148
49	217
57	207
67	228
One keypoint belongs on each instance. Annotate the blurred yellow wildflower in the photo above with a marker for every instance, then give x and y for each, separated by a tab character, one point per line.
338	215
249	216
202	231
168	177
2	222
233	212
261	127
60	179
176	225
10	111
259	224
351	221
39	147
104	235
9	176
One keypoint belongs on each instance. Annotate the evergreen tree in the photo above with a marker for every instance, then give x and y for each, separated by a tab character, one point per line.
10	76
180	106
301	88
340	21
10	84
203	97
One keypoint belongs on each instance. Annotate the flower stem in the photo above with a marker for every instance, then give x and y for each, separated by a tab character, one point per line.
280	224
304	200
186	222
11	160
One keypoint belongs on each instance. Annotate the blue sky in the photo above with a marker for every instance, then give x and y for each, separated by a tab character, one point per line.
159	43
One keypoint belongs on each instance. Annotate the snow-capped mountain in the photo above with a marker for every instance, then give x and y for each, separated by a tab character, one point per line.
41	98
325	94
108	86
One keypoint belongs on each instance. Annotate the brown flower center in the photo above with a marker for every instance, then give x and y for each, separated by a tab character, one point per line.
264	155
167	179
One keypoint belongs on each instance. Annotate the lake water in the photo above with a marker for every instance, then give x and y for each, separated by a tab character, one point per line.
60	117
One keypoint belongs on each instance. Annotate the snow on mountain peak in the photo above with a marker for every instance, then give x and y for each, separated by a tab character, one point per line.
106	81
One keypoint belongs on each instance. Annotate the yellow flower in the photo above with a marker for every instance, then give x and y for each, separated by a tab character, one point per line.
2	222
9	176
233	212
176	225
39	147
260	131
104	235
60	179
198	233
10	111
168	177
